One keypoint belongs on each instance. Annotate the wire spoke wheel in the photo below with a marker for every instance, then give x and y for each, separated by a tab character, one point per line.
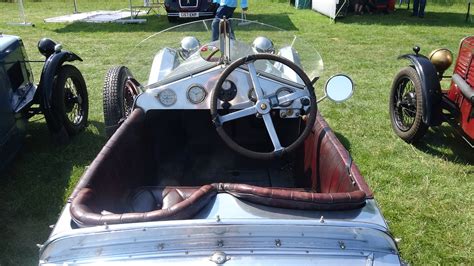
405	101
406	105
73	103
70	99
129	93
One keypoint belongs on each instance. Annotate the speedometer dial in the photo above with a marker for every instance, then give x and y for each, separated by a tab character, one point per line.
167	97
196	94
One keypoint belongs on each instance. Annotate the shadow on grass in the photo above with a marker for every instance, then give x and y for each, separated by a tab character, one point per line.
444	142
345	142
158	23
281	21
34	187
153	24
402	17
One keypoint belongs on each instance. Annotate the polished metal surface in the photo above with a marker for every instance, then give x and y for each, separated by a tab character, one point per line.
189	45
246	233
163	63
167	97
240	77
196	94
228	231
441	58
263	45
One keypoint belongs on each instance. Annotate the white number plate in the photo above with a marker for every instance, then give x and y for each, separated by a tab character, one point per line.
188	14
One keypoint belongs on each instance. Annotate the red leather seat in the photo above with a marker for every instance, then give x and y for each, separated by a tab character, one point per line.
155	204
295	198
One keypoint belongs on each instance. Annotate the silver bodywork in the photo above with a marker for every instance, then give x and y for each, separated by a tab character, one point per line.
168	74
247	233
228	231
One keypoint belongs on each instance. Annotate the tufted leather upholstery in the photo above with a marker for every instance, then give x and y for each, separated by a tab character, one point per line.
329	164
295	198
461	91
147	205
334	183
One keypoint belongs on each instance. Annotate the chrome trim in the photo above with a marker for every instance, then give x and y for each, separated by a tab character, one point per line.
188	6
207	79
200	14
199	86
283	238
180	76
289	90
175	97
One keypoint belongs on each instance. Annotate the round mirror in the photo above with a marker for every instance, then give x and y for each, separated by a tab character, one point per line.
339	88
209	53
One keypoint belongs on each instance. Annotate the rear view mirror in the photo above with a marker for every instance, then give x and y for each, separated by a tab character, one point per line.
339	88
210	53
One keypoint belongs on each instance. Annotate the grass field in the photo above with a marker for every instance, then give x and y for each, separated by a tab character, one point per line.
425	191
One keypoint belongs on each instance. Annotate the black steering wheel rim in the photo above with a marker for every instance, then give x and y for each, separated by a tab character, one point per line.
311	116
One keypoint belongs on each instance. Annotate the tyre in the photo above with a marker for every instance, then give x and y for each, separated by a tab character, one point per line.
118	96
70	101
406	106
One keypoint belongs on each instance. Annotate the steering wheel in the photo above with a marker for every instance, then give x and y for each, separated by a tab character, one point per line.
263	106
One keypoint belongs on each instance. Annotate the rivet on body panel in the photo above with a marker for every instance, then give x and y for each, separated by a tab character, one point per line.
342	245
278	242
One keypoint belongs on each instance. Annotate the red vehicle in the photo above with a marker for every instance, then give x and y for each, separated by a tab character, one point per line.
417	100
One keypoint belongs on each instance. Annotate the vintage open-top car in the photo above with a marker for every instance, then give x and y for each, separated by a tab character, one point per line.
221	158
417	100
61	94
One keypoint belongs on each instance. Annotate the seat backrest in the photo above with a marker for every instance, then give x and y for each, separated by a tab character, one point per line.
465	63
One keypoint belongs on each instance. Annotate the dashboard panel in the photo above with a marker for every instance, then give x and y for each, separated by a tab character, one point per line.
194	92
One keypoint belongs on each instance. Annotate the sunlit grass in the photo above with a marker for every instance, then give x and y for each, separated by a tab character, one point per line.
425	191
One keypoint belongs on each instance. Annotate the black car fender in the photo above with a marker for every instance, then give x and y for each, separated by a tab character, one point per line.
46	85
430	87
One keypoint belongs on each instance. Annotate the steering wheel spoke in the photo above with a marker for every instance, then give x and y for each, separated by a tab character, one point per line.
292	96
267	118
263	105
238	114
255	81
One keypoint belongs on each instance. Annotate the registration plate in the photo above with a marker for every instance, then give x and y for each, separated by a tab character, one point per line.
188	14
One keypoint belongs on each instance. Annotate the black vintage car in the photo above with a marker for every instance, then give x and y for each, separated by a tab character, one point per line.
61	95
189	9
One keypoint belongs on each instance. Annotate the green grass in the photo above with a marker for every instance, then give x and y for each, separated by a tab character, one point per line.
424	191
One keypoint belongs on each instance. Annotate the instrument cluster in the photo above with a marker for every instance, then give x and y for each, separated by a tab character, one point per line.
193	92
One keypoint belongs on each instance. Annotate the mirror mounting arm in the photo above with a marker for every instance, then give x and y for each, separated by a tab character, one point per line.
322	98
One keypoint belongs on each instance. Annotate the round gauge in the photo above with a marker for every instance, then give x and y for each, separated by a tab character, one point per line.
167	97
282	92
196	94
252	96
226	85
228	91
